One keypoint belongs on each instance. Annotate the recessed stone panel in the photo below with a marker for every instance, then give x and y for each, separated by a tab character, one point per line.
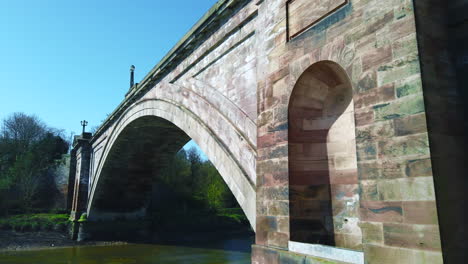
302	14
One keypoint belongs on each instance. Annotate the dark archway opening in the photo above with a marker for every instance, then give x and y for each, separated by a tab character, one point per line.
321	133
143	149
163	193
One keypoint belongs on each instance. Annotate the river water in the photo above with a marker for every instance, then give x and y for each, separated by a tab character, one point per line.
231	251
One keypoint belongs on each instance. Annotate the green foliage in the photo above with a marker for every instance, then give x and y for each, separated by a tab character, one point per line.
35	222
194	196
83	218
28	150
212	189
178	174
188	175
235	214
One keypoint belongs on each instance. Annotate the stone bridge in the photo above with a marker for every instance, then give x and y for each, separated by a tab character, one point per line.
337	125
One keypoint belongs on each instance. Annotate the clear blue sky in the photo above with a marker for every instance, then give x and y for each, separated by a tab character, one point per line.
66	61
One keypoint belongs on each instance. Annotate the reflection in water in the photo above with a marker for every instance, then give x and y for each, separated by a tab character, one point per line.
234	253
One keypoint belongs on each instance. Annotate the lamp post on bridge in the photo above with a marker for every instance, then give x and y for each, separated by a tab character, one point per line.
84	123
132	76
132	80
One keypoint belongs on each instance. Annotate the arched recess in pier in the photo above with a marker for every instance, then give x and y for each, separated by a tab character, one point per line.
322	158
146	136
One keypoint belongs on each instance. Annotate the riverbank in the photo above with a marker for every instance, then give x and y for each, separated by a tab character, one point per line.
48	231
18	241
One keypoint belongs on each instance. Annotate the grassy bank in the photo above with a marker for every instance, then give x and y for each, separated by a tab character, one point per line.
35	222
233	214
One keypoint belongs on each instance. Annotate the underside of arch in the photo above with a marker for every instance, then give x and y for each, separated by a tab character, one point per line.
141	144
142	150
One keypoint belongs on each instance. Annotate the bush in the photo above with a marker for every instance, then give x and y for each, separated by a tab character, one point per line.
35	222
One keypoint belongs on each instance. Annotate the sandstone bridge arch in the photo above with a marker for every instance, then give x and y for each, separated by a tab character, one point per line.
150	127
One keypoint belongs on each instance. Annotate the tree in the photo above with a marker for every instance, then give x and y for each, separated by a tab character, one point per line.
197	180
28	150
178	173
195	163
22	130
26	179
215	192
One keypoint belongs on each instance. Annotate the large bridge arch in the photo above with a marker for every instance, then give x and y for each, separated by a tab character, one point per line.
166	113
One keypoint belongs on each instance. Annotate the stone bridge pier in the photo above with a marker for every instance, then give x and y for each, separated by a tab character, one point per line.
338	125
